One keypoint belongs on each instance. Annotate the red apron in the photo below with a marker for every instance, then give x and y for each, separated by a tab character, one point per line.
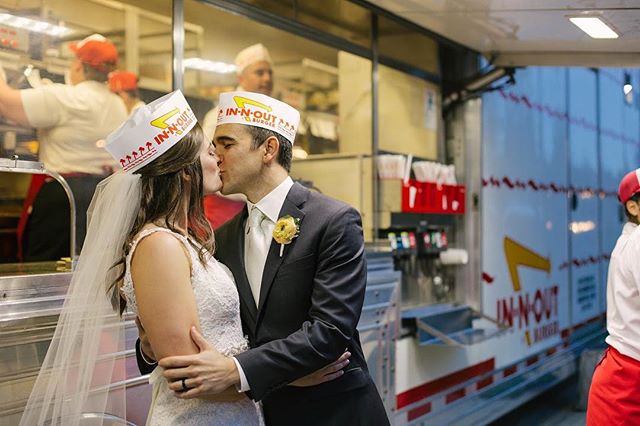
614	396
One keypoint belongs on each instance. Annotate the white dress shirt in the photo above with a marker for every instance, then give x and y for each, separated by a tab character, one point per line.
270	205
623	293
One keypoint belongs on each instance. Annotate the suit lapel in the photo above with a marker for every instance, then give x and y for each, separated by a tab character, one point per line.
236	264
291	207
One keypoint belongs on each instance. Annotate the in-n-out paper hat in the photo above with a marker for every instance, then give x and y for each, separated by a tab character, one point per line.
255	109
251	55
150	131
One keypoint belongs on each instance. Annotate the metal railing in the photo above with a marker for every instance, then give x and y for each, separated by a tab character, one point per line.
15	165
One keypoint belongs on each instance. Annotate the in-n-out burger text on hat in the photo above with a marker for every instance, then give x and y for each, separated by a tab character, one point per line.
259	110
150	131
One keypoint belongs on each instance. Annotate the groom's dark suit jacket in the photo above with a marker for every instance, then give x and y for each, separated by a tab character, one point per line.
310	304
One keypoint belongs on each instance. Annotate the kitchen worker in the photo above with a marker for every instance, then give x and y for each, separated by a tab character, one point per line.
614	396
255	74
70	119
125	85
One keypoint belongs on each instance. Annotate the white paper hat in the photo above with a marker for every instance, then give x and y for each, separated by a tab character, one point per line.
255	109
150	131
251	55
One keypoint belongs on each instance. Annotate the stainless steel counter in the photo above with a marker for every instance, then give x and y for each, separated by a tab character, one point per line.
31	297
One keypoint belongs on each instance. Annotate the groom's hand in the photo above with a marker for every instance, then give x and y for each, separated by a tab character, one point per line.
205	373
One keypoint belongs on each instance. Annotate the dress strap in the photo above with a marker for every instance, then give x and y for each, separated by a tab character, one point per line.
143	234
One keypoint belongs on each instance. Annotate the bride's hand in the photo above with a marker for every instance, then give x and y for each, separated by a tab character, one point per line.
325	374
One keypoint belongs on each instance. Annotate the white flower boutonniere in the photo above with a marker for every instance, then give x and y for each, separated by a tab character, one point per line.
287	228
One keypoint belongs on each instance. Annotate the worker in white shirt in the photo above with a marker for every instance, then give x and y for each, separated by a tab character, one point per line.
125	85
614	396
255	74
70	119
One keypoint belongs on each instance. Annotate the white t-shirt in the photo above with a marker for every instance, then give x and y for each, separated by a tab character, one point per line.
70	119
623	293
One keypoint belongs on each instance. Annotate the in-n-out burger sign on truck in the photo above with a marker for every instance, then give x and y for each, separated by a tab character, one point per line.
525	309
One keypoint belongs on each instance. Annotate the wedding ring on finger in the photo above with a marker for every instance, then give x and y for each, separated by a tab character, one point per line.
184	385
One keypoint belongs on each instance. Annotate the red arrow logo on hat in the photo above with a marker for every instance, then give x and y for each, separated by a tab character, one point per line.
161	122
241	102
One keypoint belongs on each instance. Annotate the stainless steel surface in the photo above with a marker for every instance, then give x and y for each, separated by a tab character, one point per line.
379	323
15	165
31	298
178	44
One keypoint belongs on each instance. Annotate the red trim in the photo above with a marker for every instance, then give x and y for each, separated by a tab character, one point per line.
551	351
509	371
484	383
532	360
435	386
419	412
456	395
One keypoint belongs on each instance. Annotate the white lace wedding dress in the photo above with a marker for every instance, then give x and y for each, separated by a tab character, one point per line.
219	313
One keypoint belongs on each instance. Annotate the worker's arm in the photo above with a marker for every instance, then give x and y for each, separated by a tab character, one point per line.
11	106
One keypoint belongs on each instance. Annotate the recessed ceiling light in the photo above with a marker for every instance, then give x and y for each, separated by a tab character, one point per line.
594	27
33	25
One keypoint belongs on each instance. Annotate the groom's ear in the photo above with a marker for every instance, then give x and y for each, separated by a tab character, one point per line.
271	147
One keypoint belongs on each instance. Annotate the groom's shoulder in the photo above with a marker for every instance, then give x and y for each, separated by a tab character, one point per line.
326	205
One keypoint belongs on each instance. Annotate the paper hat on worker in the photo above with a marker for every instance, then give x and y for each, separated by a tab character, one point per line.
150	131
96	51
629	185
251	55
255	109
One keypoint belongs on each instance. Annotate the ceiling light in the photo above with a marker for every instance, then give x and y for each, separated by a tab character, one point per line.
210	66
33	25
594	27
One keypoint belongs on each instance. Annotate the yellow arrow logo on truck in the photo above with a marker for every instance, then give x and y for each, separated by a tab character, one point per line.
518	255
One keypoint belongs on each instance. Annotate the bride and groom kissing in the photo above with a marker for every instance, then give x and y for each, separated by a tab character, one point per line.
264	330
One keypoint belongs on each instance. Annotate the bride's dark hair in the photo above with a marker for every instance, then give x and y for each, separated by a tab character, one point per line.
166	184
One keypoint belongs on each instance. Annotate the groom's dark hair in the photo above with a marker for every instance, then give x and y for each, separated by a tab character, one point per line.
285	153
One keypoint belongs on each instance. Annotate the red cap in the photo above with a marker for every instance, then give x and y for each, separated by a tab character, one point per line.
95	51
629	185
121	81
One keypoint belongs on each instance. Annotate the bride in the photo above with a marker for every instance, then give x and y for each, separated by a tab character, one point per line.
148	248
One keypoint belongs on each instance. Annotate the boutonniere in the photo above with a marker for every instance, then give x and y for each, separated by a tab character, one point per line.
287	228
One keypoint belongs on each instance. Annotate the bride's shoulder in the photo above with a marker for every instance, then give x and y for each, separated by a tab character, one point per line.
155	239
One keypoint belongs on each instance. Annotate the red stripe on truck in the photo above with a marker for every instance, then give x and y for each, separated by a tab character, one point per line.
435	386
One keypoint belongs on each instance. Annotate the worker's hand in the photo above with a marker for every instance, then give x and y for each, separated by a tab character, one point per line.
145	346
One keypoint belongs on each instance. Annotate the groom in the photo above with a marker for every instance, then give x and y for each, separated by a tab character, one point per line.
299	264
